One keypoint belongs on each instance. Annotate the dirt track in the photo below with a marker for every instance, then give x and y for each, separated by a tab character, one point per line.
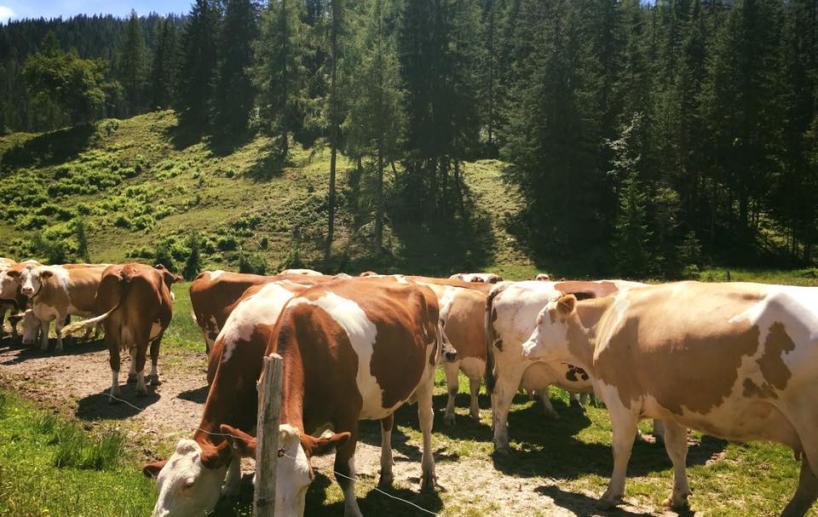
75	384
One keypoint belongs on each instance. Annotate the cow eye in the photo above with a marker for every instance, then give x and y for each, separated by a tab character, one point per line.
188	483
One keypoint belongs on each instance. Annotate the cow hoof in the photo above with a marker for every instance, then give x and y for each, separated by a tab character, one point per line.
112	399
475	416
608	503
676	502
153	380
428	484
448	419
131	378
141	393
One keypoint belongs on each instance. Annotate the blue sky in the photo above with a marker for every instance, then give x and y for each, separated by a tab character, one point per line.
17	9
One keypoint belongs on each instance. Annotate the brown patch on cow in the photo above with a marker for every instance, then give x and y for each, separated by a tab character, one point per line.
753	390
464	327
679	336
772	365
576	374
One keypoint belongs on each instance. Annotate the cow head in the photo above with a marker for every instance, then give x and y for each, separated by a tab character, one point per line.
189	483
31	326
549	341
32	280
168	277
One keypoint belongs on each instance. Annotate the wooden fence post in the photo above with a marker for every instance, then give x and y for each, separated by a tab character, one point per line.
269	406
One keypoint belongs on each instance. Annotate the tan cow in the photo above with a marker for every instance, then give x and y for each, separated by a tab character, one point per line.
10	298
57	292
213	295
511	315
734	360
136	308
352	349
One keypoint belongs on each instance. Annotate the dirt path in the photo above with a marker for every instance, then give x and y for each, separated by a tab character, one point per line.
75	384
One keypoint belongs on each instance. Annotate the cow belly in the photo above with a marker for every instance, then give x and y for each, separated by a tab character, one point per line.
538	376
473	367
45	312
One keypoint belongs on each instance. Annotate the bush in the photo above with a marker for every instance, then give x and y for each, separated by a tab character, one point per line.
193	262
226	243
163	256
252	263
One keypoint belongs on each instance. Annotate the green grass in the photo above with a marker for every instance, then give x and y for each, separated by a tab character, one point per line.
51	466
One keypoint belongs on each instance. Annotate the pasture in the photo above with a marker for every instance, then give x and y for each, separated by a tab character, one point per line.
65	451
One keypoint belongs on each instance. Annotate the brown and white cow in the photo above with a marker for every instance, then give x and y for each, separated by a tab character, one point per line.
543	277
135	306
352	350
10	298
733	360
487	278
235	365
213	295
511	315
57	292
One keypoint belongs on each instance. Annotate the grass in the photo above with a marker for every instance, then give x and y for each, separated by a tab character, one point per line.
51	466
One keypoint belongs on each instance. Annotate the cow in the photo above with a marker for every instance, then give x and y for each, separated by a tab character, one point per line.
57	292
135	308
213	295
10	298
234	366
461	314
302	272
733	360
543	277
488	278
511	315
352	350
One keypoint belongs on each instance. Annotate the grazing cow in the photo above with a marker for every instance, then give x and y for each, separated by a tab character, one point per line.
737	361
301	272
511	315
135	308
57	292
487	278
352	349
234	365
462	312
213	295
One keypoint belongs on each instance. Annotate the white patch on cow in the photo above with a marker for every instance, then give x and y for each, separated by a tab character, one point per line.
445	302
185	486
361	333
213	275
262	308
401	279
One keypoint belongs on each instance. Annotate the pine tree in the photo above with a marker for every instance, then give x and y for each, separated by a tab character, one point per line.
197	65
164	66
193	262
234	92
337	10
132	66
631	256
279	74
82	241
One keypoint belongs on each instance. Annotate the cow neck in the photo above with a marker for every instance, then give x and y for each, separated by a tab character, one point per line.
582	330
293	389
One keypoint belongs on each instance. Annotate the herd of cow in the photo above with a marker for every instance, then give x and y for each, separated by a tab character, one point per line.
733	360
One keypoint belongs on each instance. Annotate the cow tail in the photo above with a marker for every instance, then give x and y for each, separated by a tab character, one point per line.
490	337
79	326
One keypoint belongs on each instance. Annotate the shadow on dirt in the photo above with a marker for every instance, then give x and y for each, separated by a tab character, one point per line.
581	504
198	395
70	347
99	407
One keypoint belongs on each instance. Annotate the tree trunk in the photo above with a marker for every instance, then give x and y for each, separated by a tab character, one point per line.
333	114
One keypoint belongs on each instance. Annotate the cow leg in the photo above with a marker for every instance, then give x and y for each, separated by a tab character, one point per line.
426	417
132	371
141	350
550	412
676	447
474	403
658	431
44	324
153	378
504	390
624	422
3	310
452	384
113	359
387	478
805	495
59	323
804	417
345	473
232	483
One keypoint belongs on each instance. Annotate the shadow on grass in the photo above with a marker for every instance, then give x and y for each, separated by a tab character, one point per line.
50	148
98	405
198	395
269	166
70	347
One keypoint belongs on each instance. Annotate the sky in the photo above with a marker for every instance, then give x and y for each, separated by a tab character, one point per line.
18	9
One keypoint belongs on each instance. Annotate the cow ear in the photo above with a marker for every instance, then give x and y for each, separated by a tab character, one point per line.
326	444
152	469
566	305
241	442
46	273
217	456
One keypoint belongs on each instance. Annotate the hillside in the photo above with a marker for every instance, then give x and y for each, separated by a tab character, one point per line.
138	184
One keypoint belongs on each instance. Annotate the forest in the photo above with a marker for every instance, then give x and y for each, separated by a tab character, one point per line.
647	139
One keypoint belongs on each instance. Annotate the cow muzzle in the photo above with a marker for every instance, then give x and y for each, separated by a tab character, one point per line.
449	356
27	291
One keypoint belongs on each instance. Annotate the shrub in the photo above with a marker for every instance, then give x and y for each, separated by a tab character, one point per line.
193	262
163	256
252	263
226	243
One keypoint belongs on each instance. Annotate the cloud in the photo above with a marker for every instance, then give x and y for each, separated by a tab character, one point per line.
5	13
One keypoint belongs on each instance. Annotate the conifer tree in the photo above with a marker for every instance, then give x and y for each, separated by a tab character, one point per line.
197	67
